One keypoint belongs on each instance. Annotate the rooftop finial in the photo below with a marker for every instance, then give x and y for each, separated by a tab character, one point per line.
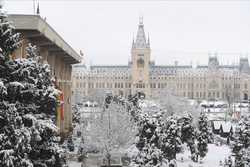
141	20
38	9
148	41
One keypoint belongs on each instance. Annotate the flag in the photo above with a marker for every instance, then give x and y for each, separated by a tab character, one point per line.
61	106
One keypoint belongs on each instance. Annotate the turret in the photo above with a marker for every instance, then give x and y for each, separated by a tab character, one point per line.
213	63
244	65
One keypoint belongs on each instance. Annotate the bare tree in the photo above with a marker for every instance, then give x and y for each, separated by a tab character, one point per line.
113	130
176	105
229	95
96	95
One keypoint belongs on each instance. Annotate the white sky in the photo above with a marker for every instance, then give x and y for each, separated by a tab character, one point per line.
179	30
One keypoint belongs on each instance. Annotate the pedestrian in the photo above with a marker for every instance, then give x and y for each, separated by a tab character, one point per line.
228	140
225	162
220	163
230	162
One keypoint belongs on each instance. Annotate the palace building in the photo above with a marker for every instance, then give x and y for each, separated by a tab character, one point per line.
212	81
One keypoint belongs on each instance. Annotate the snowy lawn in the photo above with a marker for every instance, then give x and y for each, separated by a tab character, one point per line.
214	155
74	164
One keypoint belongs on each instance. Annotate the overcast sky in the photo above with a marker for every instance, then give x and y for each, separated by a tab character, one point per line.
179	30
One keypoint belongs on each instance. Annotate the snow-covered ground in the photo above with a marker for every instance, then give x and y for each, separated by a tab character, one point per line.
74	164
214	155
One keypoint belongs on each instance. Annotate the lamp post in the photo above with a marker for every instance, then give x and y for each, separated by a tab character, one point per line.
234	72
107	102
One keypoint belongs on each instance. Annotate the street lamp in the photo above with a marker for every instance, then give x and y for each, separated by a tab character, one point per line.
107	102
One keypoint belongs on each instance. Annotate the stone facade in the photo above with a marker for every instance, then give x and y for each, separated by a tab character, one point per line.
54	51
213	81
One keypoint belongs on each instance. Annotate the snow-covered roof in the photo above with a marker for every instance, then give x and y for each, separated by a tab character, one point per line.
125	67
221	66
217	124
79	65
217	103
167	69
171	66
215	116
226	126
115	70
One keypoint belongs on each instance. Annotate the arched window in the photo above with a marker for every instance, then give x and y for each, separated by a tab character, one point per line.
245	96
140	63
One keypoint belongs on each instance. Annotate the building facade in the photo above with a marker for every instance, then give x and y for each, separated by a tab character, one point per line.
213	81
54	51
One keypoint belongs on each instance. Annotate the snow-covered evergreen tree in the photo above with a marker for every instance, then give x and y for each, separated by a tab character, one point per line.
188	134
240	147
203	135
148	142
76	115
242	158
160	135
157	137
70	144
149	156
28	136
170	138
9	39
147	131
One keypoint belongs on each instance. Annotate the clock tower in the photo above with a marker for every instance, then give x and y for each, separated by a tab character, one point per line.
140	53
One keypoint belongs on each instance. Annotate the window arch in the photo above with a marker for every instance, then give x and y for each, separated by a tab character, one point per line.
140	63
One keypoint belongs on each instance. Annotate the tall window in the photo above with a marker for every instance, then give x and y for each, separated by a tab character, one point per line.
140	63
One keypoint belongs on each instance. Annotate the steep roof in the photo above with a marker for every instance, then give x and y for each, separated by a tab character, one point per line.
141	41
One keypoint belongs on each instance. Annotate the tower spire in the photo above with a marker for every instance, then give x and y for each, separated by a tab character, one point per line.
141	41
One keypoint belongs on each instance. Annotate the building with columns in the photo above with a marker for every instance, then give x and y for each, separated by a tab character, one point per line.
212	81
54	51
